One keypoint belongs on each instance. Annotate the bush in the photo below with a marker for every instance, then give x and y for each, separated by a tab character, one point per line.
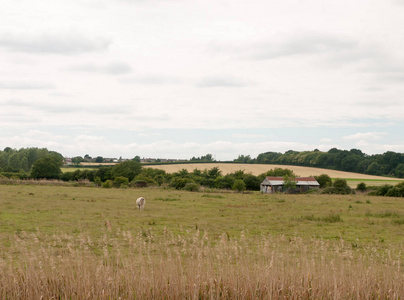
128	169
382	190
97	181
47	167
324	180
107	184
361	187
239	186
340	183
252	182
121	181
192	187
340	187
138	183
341	191
396	191
179	183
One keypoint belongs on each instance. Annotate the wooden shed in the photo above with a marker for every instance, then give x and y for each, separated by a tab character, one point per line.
276	184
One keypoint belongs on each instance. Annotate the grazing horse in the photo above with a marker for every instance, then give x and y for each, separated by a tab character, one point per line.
140	202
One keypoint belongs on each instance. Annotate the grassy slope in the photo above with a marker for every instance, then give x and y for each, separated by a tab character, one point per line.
257	169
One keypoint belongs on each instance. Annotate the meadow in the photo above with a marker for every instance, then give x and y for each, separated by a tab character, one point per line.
87	242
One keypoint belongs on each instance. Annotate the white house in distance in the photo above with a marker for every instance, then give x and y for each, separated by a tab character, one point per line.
276	184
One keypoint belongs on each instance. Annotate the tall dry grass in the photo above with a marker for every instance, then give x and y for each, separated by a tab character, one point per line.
45	182
139	265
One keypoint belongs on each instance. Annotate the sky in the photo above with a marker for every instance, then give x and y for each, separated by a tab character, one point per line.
178	78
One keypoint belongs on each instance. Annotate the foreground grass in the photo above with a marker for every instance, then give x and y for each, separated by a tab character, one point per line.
132	265
77	242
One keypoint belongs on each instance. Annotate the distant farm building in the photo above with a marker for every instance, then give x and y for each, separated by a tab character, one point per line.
277	185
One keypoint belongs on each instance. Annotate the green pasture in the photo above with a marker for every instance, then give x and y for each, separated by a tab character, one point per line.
93	211
353	182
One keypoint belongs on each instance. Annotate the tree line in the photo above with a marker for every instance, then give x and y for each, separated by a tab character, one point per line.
41	163
30	162
133	174
387	164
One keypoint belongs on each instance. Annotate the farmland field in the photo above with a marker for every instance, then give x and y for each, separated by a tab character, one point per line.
59	241
256	169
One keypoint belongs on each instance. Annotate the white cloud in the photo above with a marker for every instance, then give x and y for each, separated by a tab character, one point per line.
115	68
151	80
219	66
49	43
250	136
221	81
19	85
365	136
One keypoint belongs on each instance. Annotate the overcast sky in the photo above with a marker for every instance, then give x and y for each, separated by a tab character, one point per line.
178	78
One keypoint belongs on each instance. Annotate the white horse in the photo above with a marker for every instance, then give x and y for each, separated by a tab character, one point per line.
140	202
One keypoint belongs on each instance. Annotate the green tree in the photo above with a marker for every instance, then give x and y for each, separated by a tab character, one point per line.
77	160
399	171
252	182
121	181
324	180
24	164
214	172
46	167
340	183
361	187
179	182
243	159
289	182
99	159
239	186
204	158
224	182
129	169
374	169
14	162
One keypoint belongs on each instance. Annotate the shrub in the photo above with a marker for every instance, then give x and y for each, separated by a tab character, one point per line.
382	190
239	185
47	167
107	184
341	191
324	180
396	191
192	187
128	169
138	183
179	183
121	181
361	187
340	183
97	181
252	182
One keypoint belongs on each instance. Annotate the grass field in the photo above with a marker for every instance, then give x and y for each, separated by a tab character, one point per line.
80	242
77	209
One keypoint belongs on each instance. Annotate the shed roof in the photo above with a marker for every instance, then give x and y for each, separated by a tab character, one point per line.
299	181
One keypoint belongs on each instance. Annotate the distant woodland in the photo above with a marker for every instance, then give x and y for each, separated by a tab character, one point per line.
386	164
390	163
